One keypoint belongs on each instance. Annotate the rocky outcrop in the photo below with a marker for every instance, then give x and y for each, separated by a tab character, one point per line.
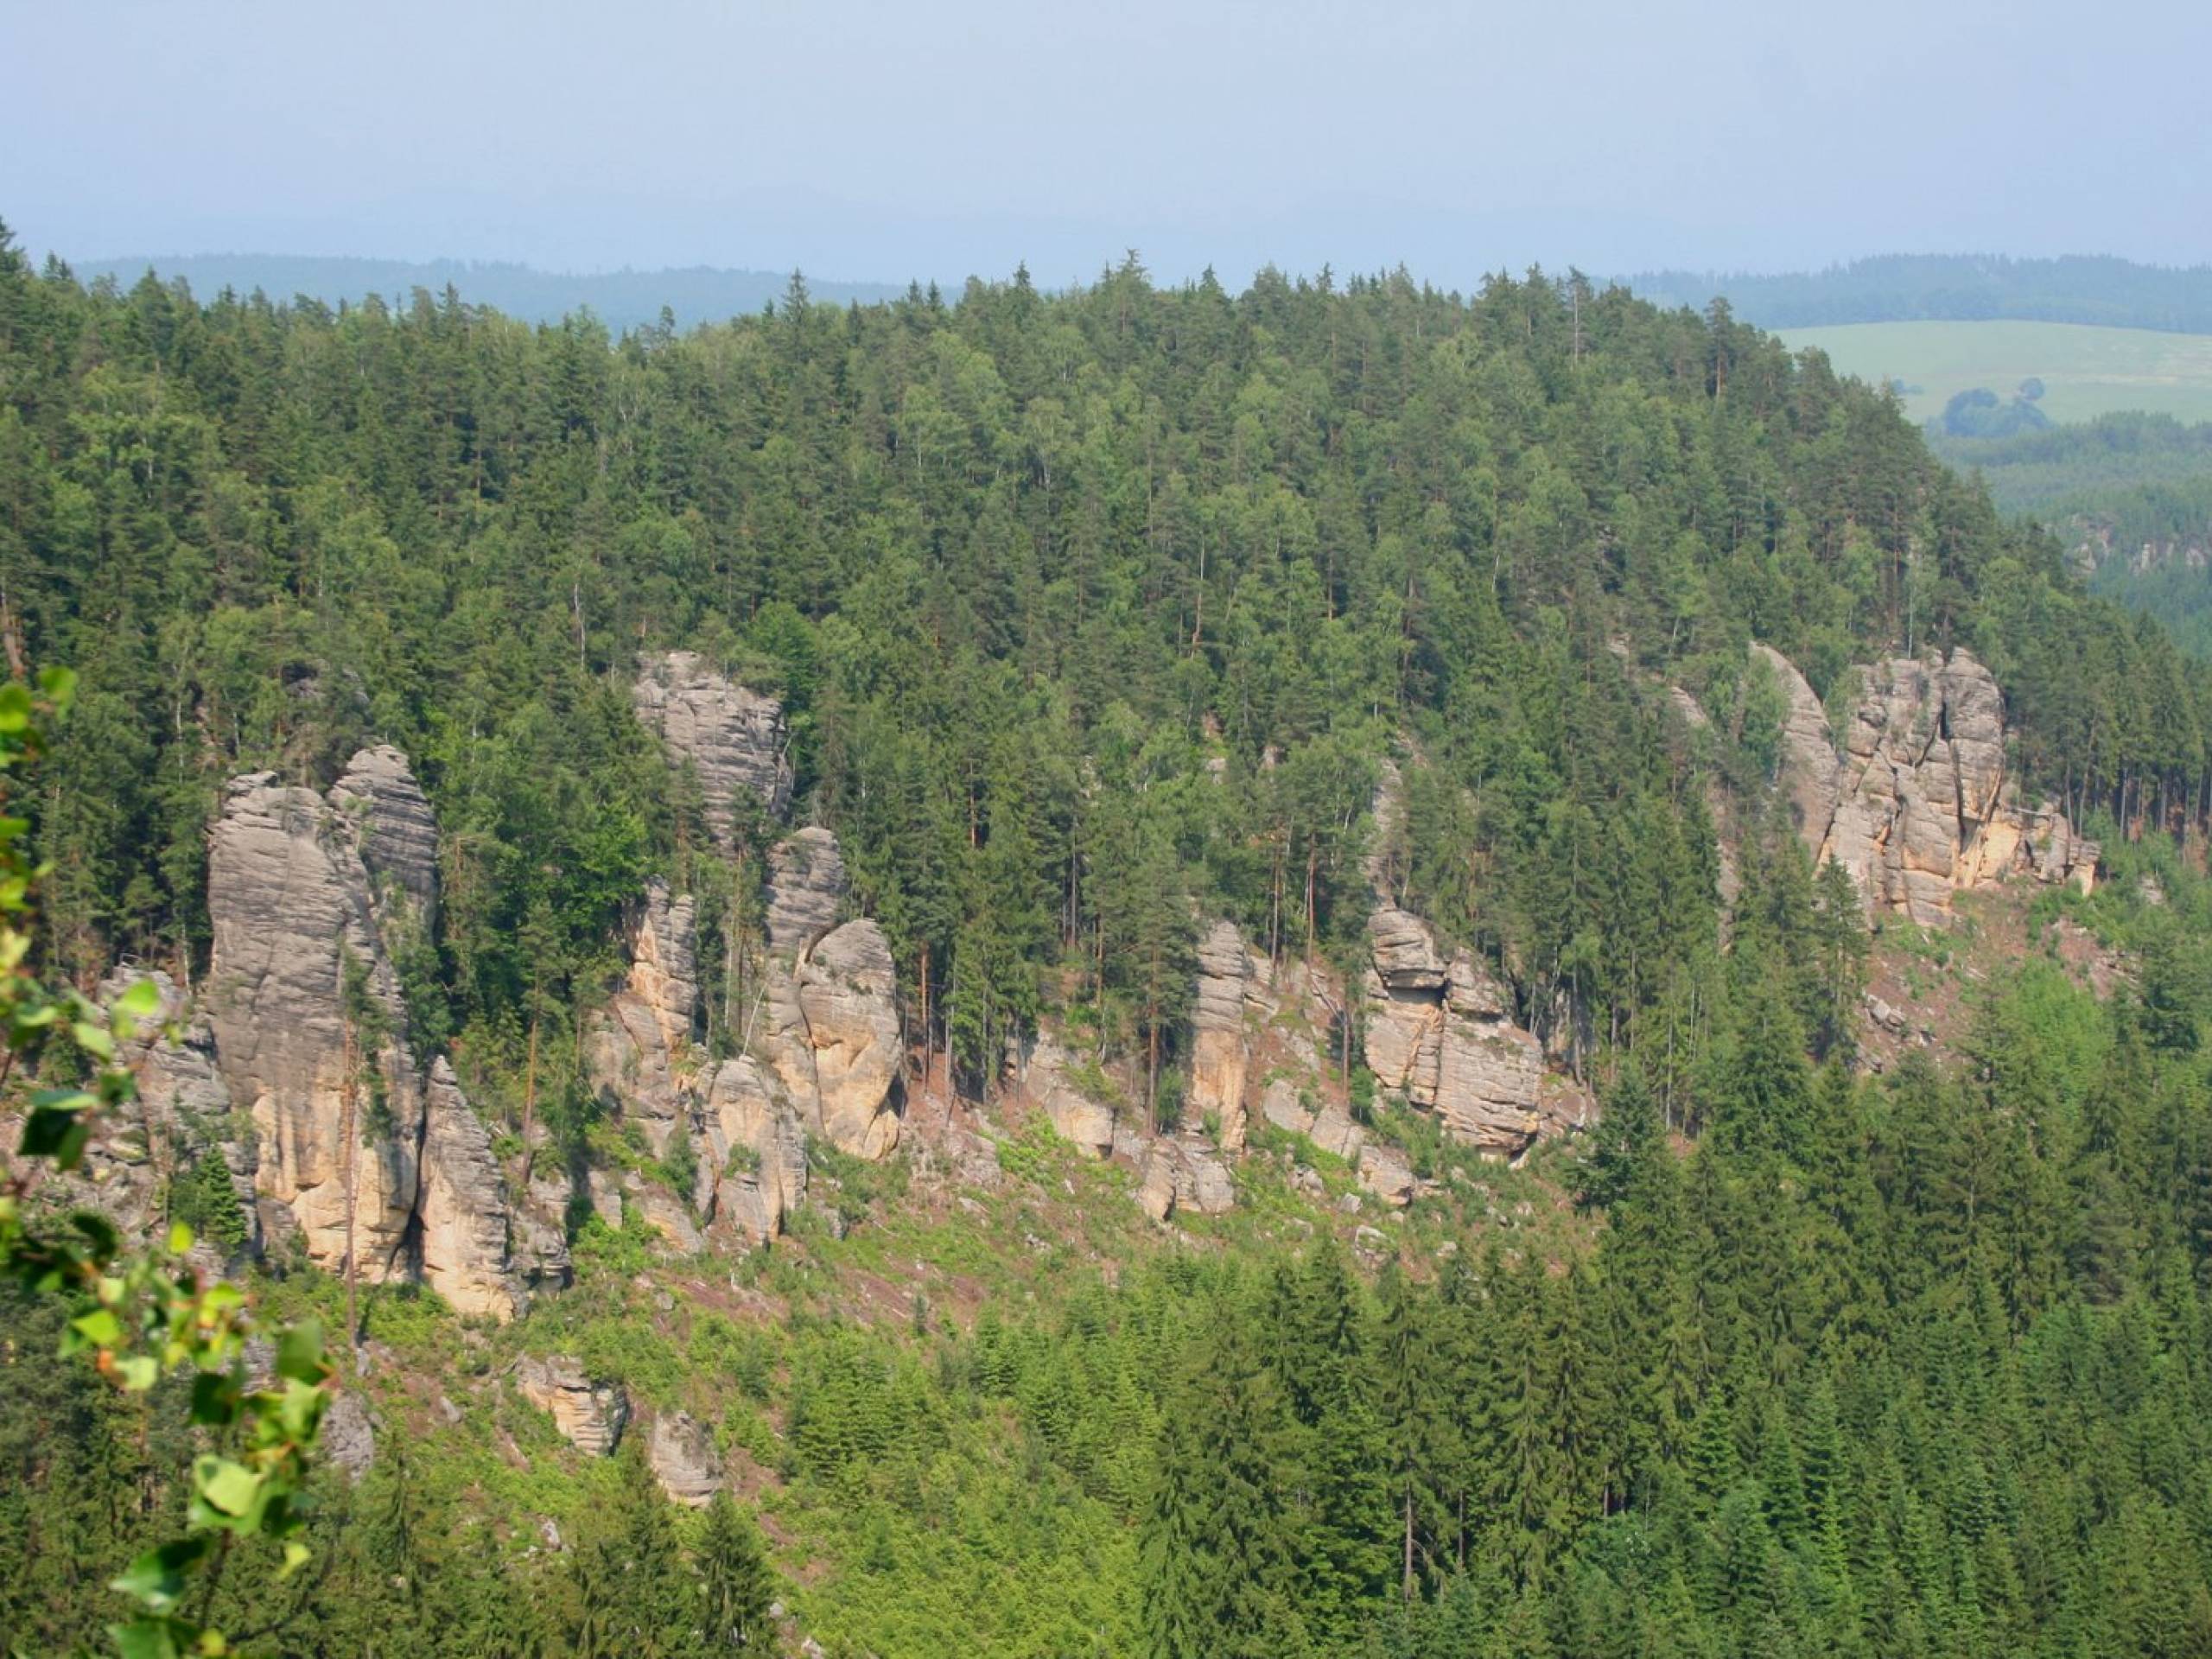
806	883
348	1437
463	1209
1184	1176
289	899
756	1151
638	1046
590	1415
1914	802
847	994
357	1146
683	1460
1442	1031
1220	1052
733	738
1075	1117
397	833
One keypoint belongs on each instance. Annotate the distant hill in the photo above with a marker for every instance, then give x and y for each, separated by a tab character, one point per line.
1952	288
622	299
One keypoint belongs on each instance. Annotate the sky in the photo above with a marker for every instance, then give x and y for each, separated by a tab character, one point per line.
868	141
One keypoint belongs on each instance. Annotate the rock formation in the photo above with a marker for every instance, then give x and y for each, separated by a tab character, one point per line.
336	1106
357	1143
590	1415
1220	1055
1915	805
734	738
1442	1032
639	1046
683	1460
1075	1117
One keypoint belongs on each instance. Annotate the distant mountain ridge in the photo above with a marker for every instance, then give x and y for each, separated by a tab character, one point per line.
1952	288
623	299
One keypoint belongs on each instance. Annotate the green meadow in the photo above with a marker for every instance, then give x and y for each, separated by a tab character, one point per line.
2086	370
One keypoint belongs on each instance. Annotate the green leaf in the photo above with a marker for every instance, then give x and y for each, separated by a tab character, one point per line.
100	1232
139	1372
157	1578
229	1487
93	1039
151	1638
59	685
142	1001
15	706
56	1129
296	1555
216	1396
299	1352
180	1239
99	1327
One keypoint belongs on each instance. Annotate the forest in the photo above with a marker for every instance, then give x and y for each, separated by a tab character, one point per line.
1095	613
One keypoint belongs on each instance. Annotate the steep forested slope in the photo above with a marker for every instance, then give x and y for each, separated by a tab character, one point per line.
1094	617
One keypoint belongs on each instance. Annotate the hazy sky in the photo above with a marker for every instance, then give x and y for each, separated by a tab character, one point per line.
866	140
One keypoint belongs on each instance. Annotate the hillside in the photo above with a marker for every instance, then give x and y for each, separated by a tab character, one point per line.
2098	291
1317	971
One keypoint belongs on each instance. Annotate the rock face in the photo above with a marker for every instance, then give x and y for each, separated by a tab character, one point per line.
847	994
590	1415
1075	1116
356	1142
683	1460
734	738
1914	803
398	836
463	1210
757	1147
639	1046
1220	1055
1442	1032
288	898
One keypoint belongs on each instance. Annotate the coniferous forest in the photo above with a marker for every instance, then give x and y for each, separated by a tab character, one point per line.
1096	615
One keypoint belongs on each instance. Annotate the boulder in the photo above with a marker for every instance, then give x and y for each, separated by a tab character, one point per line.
1384	1172
683	1460
348	1440
590	1415
734	739
1202	1183
1280	1106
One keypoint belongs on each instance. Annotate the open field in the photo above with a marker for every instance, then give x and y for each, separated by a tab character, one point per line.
2086	370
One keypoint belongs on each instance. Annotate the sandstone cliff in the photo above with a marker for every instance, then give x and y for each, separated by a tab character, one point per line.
356	1143
734	738
1913	800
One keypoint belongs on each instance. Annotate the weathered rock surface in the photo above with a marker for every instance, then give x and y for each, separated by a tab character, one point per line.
1280	1106
847	994
463	1210
348	1440
1914	803
757	1150
357	1144
590	1415
683	1460
397	836
289	899
1075	1116
734	738
1220	1054
806	883
638	1046
1181	1175
1384	1172
1442	1032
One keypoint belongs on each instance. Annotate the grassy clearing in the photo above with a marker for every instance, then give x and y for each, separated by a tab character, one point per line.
2087	371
